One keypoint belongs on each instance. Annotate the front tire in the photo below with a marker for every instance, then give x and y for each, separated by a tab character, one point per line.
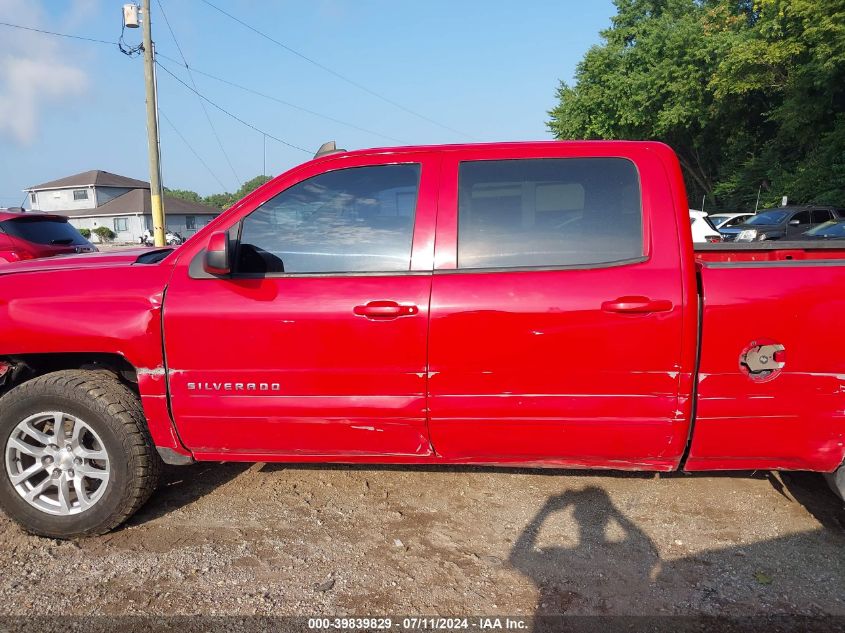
77	457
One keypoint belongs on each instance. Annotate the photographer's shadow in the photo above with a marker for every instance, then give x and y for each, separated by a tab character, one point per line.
609	559
586	557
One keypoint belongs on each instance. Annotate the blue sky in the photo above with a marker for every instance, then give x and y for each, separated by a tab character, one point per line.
487	69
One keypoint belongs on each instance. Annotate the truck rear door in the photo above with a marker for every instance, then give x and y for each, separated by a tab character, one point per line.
316	343
557	311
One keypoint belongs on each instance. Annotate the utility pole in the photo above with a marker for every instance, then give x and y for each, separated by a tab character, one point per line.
156	200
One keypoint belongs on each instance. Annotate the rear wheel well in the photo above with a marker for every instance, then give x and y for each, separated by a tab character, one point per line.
24	367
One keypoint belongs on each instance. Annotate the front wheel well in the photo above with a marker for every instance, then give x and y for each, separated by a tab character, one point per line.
21	368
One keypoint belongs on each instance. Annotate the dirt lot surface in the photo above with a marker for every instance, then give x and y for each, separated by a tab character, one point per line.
274	539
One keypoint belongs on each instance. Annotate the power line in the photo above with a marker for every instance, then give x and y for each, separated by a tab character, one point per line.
165	69
202	103
73	37
226	112
190	147
334	72
130	51
264	35
246	89
287	103
220	79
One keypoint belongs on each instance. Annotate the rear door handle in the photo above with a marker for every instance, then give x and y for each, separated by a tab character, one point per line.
637	305
385	310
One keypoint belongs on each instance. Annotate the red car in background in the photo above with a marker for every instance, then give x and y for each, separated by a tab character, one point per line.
34	235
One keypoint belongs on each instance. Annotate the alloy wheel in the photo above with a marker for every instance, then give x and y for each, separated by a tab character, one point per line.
57	463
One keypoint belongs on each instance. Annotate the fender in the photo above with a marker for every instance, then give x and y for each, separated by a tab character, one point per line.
103	303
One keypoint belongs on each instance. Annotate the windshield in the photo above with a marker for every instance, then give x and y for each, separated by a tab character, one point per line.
829	229
769	217
44	231
709	222
718	220
740	219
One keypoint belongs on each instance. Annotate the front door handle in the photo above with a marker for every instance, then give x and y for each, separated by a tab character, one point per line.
380	310
637	305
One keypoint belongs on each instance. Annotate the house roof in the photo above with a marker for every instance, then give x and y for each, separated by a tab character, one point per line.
13	213
95	177
137	201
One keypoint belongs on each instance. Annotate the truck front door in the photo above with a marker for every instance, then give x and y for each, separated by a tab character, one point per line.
316	342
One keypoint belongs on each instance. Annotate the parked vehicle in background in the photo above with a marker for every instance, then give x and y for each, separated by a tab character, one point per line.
833	230
782	223
32	235
703	230
727	220
518	304
171	238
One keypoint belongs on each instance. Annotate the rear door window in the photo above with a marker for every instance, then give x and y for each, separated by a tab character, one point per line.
548	212
43	231
821	215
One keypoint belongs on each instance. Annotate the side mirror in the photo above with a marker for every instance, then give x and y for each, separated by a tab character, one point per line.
216	261
794	222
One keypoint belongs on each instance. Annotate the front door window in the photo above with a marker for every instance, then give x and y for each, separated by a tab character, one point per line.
345	221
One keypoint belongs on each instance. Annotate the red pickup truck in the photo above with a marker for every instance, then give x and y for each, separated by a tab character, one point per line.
531	304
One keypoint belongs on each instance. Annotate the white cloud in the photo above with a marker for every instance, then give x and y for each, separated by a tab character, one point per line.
35	73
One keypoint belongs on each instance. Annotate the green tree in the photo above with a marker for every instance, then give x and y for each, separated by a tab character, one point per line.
749	94
791	60
226	199
183	194
251	185
219	200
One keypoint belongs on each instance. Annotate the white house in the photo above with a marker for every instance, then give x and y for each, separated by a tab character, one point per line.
99	198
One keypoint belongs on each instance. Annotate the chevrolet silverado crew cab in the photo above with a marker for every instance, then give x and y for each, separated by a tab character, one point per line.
533	304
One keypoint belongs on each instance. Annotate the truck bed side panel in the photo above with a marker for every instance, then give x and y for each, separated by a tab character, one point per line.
795	420
776	250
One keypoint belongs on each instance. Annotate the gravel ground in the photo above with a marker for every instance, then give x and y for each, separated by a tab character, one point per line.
283	540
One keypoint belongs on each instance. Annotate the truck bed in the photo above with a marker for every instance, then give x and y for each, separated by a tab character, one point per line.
776	250
787	293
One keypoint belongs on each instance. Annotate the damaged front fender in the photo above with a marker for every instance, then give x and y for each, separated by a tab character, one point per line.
105	310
